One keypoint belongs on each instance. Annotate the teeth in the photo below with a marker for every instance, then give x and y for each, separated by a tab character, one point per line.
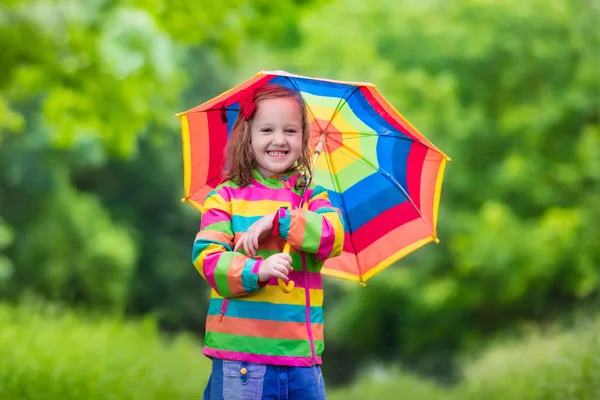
277	153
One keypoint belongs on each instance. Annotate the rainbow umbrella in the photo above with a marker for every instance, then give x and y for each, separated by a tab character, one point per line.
383	174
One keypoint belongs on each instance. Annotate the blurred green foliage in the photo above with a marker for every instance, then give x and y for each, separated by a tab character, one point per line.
64	355
91	176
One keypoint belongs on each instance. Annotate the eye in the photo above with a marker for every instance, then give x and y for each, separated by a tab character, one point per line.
266	130
291	131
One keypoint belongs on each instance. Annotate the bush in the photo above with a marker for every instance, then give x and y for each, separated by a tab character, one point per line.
52	354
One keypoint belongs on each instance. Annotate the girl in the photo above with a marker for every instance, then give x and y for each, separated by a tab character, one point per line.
265	344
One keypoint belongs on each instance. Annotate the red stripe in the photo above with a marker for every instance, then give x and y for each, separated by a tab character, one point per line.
218	140
414	166
402	127
234	97
199	147
382	224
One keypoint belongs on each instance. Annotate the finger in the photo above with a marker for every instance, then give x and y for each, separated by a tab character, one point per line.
255	240
278	274
282	268
284	256
247	246
239	243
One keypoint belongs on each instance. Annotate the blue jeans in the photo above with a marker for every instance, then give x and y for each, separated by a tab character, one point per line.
235	380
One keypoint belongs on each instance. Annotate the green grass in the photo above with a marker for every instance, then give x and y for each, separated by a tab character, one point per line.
45	354
50	354
553	366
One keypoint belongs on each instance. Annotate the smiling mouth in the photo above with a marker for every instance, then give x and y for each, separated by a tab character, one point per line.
277	153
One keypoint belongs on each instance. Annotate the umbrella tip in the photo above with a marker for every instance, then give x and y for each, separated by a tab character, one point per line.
436	240
363	284
183	199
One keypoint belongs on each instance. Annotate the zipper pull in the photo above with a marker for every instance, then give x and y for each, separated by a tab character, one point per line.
285	182
223	309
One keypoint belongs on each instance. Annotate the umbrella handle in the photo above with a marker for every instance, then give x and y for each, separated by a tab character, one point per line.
286	288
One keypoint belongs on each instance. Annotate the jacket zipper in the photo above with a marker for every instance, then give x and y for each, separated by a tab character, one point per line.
308	326
223	308
306	288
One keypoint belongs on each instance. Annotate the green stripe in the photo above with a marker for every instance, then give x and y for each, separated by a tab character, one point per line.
312	263
313	232
259	345
221	273
222	227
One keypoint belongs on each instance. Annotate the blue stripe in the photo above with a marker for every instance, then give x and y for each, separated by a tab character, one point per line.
266	311
335	199
369	198
319	88
201	244
239	223
249	280
364	111
325	210
284	225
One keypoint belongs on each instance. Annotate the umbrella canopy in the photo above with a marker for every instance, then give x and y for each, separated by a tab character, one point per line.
383	174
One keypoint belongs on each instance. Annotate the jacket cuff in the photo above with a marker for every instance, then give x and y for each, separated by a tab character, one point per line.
250	275
281	223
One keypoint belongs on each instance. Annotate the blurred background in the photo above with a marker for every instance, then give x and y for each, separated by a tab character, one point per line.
98	296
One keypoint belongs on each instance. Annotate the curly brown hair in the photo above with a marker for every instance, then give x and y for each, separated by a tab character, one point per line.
239	155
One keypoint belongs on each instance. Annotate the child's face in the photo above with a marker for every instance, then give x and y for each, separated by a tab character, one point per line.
276	135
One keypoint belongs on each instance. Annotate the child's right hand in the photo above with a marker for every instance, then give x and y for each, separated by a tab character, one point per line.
278	265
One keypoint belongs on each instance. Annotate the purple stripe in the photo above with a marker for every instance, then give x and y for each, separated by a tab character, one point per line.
261	359
313	279
327	239
209	266
214	216
259	193
319	203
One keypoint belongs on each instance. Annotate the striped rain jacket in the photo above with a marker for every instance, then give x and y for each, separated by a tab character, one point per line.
259	323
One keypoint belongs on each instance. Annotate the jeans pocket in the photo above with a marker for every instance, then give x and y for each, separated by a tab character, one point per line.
243	381
320	382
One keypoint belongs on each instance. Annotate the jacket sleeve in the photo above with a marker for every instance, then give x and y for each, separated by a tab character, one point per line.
229	273
318	230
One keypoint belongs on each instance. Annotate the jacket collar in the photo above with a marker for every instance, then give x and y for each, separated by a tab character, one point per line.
276	181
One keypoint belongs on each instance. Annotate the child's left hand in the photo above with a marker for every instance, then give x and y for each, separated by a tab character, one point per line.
255	233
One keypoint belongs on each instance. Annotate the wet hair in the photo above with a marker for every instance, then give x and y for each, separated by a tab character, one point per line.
239	155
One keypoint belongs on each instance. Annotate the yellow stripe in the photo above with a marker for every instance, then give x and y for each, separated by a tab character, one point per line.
272	294
187	168
437	195
395	257
217	202
257	208
340	274
196	205
210	249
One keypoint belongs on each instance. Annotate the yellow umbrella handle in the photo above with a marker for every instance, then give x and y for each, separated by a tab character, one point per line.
286	288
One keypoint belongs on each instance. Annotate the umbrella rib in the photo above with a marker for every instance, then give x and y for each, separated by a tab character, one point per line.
338	188
304	101
383	172
342	102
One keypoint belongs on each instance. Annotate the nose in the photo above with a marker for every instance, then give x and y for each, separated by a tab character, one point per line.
279	138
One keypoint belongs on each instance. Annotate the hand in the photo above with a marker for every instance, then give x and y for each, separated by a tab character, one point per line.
255	233
278	265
